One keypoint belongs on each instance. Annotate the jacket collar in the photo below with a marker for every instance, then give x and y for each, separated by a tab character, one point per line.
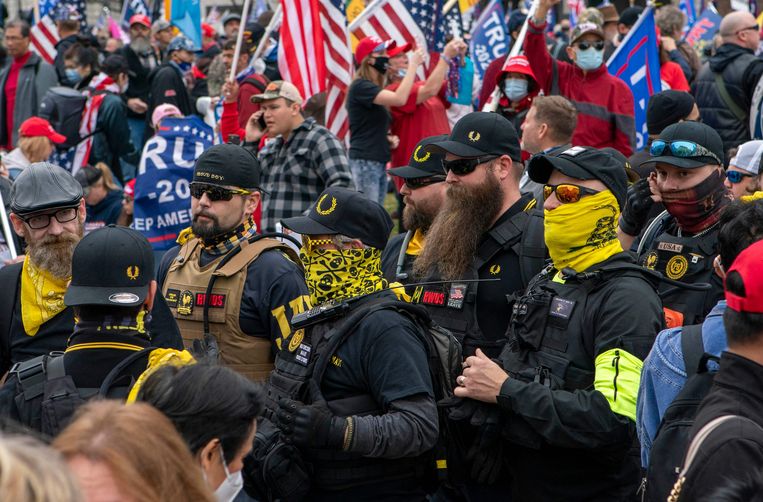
592	74
741	374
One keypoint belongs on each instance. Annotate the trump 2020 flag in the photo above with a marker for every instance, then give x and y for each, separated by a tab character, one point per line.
704	29
637	63
490	38
130	8
162	189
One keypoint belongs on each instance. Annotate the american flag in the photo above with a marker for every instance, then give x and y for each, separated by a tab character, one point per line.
404	21
44	34
314	54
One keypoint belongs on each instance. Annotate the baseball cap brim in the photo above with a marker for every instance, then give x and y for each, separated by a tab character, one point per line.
259	98
409	172
57	138
305	225
597	32
679	161
455	148
540	168
110	296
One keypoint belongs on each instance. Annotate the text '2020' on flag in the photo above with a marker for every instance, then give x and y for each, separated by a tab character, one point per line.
490	37
314	54
637	62
163	195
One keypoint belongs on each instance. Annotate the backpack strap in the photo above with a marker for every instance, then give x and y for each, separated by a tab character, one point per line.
692	348
532	247
10	277
119	368
728	101
554	78
250	252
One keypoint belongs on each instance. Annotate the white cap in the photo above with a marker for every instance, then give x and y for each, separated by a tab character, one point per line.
748	157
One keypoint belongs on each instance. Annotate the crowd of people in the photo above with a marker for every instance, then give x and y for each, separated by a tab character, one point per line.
555	315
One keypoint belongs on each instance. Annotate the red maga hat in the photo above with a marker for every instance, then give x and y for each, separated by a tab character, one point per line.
36	126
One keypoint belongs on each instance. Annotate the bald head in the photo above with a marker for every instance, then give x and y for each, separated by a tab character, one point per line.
740	28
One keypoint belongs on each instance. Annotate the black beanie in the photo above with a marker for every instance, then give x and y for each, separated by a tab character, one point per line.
228	165
666	108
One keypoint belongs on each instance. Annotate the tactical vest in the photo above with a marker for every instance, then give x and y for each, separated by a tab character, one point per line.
185	288
297	375
685	259
454	306
549	342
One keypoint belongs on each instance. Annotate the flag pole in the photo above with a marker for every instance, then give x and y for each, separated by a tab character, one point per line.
361	18
492	103
272	25
448	5
7	228
239	40
37	11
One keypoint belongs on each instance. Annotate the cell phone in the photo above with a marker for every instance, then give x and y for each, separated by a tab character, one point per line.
261	121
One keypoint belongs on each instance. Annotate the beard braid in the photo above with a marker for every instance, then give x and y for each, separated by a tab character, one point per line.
54	252
456	231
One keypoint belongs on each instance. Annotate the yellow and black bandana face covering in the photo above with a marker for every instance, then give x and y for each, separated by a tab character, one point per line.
333	274
584	233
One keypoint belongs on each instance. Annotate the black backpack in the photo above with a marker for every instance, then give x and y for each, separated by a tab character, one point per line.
46	397
63	108
672	439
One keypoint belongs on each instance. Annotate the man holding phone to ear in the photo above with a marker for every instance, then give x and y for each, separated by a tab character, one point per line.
302	159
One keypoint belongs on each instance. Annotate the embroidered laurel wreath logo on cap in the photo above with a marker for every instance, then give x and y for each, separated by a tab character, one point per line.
423	158
133	272
473	136
319	207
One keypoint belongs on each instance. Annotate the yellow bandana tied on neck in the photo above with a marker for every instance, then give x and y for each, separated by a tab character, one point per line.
42	296
333	274
156	359
416	245
584	233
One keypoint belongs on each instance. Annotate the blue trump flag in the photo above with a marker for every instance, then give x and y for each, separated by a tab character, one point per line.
490	37
186	15
162	189
637	63
687	7
703	30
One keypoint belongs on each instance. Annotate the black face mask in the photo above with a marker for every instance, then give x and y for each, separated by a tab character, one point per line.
381	63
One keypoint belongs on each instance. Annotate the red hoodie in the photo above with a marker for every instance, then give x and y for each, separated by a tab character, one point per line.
604	102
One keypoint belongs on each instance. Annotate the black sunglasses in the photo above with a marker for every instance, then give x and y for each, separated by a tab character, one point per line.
423	181
462	167
754	27
598	45
215	193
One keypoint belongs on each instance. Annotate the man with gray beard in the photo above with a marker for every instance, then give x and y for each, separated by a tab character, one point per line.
48	211
486	229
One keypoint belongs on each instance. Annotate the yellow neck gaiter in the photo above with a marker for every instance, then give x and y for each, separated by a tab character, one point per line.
584	233
42	296
338	274
416	245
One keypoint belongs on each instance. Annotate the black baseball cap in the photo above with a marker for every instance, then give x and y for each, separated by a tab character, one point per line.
666	108
111	266
42	186
346	212
583	163
423	163
629	16
228	165
88	176
695	132
480	134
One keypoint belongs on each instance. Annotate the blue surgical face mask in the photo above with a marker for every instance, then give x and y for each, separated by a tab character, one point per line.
515	88
401	73
589	59
73	76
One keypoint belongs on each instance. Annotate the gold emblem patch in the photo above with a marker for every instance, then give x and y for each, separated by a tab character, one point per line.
676	267
651	260
296	339
473	136
324	212
495	269
423	158
185	303
133	272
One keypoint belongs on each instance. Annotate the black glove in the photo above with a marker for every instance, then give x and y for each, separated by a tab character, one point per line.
486	453
638	204
310	426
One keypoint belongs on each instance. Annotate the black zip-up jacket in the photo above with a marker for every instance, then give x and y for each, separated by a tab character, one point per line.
732	455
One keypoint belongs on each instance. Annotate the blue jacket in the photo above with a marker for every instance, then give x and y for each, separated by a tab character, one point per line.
664	374
105	212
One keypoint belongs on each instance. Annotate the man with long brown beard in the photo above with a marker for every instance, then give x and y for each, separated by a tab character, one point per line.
486	229
48	211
